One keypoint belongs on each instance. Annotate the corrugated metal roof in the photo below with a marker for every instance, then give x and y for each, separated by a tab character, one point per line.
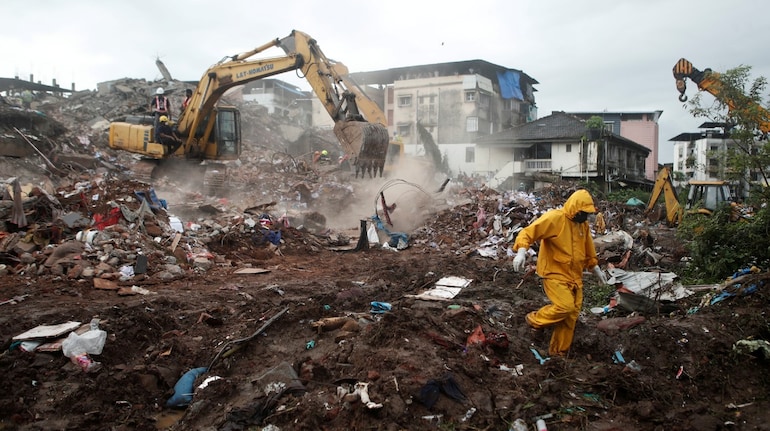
18	84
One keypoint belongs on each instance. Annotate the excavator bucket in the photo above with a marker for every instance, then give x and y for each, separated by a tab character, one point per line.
366	143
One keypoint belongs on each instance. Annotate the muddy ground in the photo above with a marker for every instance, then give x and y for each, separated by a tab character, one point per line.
281	363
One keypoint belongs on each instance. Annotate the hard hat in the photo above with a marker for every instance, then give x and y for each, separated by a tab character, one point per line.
324	153
163	119
159	90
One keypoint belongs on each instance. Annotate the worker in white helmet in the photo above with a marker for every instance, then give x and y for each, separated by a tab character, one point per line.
159	105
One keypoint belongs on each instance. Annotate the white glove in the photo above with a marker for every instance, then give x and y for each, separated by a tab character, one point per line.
518	261
600	274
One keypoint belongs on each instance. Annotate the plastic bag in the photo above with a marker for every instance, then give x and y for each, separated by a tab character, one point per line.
183	389
91	342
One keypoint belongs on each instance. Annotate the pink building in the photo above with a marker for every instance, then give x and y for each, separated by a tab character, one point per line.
640	127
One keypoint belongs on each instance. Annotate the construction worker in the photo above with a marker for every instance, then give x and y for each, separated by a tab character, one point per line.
187	97
566	249
159	105
166	135
325	157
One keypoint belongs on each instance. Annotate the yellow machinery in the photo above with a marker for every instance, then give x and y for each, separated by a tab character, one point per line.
710	81
703	197
664	185
212	132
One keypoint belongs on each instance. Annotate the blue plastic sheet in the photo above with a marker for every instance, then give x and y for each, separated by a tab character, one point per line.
183	389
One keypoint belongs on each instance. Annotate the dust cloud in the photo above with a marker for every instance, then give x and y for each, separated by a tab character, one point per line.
409	190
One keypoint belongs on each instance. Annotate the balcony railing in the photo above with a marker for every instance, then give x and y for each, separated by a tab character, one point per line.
537	165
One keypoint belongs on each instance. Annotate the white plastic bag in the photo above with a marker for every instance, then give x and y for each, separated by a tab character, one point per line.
91	342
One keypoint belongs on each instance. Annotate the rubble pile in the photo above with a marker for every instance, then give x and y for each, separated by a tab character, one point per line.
270	307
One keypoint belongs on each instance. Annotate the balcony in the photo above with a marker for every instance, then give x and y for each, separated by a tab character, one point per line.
537	165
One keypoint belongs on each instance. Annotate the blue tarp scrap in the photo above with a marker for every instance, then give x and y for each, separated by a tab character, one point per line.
738	289
152	199
263	236
634	202
509	85
395	237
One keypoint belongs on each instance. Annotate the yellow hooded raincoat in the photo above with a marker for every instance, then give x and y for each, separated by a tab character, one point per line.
566	249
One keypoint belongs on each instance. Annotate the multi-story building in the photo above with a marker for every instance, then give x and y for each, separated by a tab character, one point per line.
638	126
455	102
700	155
280	98
559	147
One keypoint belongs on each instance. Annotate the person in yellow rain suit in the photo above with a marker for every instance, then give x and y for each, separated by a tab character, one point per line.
566	249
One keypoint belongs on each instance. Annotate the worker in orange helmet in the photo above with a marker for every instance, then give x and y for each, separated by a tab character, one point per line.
566	249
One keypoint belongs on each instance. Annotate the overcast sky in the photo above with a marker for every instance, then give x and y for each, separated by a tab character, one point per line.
587	55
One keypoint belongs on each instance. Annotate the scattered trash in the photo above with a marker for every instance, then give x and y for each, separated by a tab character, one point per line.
360	392
632	366
380	307
310	344
761	347
518	370
183	389
735	287
447	385
538	357
659	285
519	425
48	331
78	347
445	288
468	415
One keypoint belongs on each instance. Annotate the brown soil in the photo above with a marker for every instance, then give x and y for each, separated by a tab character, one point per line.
690	377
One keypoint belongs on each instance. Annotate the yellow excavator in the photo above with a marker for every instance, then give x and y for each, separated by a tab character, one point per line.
703	197
211	131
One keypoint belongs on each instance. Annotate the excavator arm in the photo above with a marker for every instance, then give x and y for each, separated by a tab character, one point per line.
359	123
212	132
363	135
664	185
711	82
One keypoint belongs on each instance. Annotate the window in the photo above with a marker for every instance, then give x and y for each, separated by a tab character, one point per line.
483	99
569	148
404	130
470	96
405	100
470	155
472	124
422	100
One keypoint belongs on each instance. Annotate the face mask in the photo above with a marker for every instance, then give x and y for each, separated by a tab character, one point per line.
580	217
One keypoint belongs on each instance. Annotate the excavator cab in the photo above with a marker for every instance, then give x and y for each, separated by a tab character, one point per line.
704	197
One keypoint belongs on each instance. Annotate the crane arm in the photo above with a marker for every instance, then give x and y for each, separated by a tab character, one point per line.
711	82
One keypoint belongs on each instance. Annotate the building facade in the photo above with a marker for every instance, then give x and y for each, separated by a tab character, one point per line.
639	126
455	102
558	147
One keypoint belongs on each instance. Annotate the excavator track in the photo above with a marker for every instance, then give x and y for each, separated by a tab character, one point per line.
212	179
216	179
